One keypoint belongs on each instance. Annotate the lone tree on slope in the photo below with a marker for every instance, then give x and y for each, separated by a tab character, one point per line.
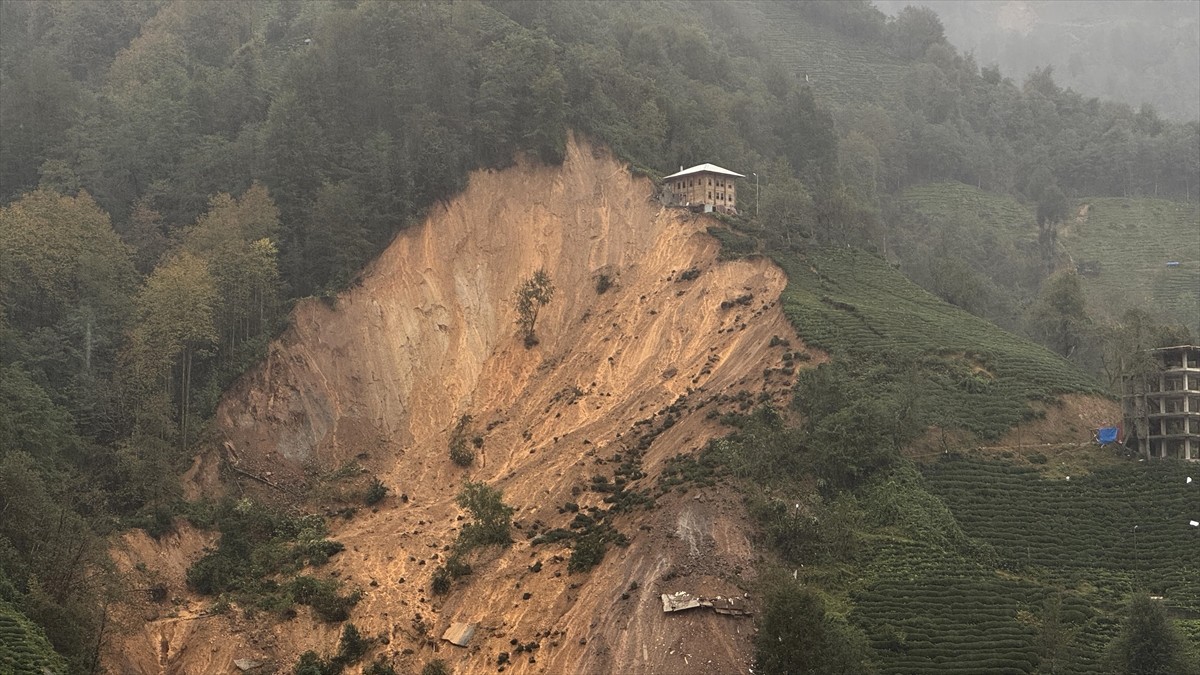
534	293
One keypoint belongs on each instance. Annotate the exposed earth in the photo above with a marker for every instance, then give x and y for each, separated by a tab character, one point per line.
382	374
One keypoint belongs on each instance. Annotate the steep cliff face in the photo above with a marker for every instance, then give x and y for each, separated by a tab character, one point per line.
384	373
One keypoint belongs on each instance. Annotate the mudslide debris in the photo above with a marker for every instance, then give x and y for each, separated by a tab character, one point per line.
682	600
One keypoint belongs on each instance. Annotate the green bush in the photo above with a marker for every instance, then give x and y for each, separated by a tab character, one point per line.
461	452
352	646
256	546
379	668
587	552
797	635
440	584
323	597
603	283
311	663
491	517
435	667
376	491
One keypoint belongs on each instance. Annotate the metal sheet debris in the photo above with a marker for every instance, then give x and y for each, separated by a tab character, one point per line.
682	600
677	602
459	633
246	664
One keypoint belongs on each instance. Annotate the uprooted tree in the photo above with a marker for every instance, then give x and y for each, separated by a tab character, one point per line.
533	294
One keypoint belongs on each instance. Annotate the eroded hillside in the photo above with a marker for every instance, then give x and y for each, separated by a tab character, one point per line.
382	375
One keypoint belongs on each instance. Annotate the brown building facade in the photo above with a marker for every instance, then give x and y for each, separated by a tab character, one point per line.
705	186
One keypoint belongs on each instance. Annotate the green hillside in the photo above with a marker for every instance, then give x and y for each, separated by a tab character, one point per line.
1122	245
1128	243
964	565
972	566
840	71
1000	213
974	375
24	649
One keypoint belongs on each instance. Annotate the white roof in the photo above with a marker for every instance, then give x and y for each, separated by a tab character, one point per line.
705	168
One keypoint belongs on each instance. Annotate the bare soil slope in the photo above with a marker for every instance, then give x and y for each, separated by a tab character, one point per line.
384	373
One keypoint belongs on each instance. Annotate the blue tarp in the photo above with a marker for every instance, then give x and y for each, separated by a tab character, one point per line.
1107	435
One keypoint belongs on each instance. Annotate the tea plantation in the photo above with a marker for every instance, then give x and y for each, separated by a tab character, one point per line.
970	374
1116	529
983	567
841	72
1127	245
957	201
932	612
23	646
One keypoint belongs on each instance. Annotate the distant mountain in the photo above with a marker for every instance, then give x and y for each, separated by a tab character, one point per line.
1130	51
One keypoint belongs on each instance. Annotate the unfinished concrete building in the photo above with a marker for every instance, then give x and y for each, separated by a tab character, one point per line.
1163	407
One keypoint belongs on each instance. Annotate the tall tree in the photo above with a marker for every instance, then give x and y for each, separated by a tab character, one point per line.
1148	643
1059	316
175	321
236	240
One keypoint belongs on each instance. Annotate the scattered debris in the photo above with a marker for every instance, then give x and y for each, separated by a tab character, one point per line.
682	600
246	664
459	633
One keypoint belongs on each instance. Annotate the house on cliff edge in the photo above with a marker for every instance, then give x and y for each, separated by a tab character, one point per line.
704	187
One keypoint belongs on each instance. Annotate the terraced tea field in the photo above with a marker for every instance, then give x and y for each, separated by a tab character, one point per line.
1118	528
839	70
1129	243
956	201
1071	538
946	623
975	376
1024	562
24	650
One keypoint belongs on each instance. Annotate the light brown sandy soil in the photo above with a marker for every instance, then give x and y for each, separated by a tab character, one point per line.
383	373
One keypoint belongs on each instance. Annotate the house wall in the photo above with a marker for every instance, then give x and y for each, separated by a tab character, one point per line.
706	188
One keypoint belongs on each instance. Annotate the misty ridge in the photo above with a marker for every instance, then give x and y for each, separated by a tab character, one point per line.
599	336
1133	52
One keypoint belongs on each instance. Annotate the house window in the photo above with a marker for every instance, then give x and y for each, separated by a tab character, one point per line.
710	195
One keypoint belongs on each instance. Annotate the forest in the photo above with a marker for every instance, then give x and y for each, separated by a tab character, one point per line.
175	175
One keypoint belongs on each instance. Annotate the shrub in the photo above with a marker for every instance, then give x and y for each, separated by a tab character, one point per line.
435	667
796	635
323	597
587	552
461	452
379	668
603	283
376	492
311	663
352	646
441	581
492	517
